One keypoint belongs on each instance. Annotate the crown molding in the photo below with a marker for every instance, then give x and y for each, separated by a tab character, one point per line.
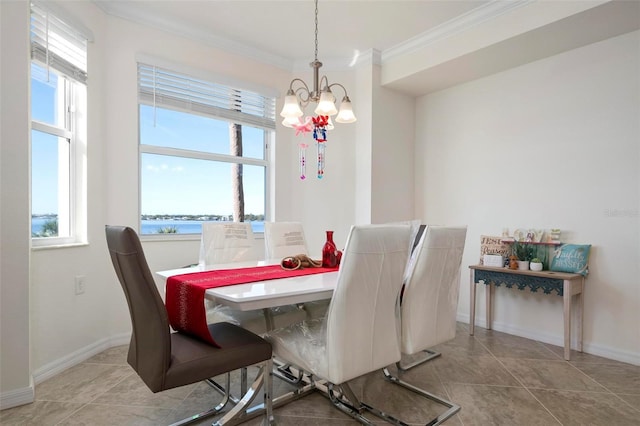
368	57
447	29
119	10
455	26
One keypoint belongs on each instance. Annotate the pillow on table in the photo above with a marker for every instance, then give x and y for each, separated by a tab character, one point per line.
573	258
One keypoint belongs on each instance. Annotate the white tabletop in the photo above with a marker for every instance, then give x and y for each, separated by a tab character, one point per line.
268	293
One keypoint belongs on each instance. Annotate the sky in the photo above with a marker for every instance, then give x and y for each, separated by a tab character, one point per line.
193	186
44	153
169	185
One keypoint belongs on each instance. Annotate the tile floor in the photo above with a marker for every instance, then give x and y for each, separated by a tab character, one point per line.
498	379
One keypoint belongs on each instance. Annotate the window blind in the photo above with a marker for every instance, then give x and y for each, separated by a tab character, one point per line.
162	87
58	45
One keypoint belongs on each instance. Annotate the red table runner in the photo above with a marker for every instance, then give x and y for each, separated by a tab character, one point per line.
185	293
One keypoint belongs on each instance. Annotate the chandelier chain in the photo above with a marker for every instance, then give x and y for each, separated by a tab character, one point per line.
316	56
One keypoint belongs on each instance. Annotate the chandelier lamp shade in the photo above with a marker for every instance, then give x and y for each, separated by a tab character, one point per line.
300	95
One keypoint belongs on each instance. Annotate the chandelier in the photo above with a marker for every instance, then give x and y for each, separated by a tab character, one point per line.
300	95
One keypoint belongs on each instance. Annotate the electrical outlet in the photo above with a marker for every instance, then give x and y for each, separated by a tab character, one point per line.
80	281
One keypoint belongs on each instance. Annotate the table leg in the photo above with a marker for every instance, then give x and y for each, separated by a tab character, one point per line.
488	296
566	298
472	298
580	313
268	315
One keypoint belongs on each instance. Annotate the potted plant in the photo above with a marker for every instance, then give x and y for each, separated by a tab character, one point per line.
524	253
536	264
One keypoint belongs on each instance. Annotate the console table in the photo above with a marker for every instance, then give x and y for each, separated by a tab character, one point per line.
563	284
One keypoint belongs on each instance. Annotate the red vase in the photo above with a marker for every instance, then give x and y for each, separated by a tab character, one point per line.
329	252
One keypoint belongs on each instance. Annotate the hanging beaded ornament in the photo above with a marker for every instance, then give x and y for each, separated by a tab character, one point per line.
320	135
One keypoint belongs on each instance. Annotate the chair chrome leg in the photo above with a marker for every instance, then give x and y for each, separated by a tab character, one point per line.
225	391
215	410
243	380
285	373
452	408
349	404
235	415
430	355
268	394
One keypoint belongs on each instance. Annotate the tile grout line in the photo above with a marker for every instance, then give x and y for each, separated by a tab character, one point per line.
603	386
93	399
446	390
518	380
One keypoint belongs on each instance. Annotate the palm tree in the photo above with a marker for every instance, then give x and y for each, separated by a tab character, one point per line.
49	229
168	230
237	188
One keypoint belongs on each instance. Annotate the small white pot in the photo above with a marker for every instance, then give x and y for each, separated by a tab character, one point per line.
535	266
523	265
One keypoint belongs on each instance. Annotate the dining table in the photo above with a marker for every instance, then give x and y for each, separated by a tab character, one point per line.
266	294
262	294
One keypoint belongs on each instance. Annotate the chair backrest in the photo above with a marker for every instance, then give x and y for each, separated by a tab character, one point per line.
430	297
227	242
361	322
283	239
150	346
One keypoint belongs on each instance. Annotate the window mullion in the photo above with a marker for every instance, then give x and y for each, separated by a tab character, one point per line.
53	130
199	155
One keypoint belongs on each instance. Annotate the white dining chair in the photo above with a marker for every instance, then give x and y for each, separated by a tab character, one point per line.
430	295
231	242
282	239
358	334
227	242
429	302
318	309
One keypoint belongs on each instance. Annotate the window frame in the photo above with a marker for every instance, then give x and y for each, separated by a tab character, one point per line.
265	161
71	188
59	44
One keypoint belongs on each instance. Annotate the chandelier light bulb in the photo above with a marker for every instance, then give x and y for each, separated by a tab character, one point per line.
346	112
291	107
326	105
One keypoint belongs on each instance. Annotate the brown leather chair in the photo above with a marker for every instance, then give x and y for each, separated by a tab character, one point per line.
166	360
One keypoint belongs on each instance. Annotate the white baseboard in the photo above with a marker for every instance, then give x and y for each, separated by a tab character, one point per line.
558	340
16	397
49	370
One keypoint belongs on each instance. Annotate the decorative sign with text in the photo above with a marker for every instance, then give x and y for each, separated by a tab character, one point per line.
493	245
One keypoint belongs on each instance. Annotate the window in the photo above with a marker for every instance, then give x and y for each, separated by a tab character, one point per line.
58	130
203	152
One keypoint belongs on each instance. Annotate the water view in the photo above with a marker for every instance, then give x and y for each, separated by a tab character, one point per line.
151	226
184	226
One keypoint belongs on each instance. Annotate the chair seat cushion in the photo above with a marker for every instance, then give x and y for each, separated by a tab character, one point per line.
192	359
302	345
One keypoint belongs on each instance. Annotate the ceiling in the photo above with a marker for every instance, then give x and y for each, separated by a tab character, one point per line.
423	45
284	29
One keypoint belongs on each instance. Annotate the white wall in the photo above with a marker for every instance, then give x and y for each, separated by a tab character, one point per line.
67	327
550	144
383	165
392	174
15	378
